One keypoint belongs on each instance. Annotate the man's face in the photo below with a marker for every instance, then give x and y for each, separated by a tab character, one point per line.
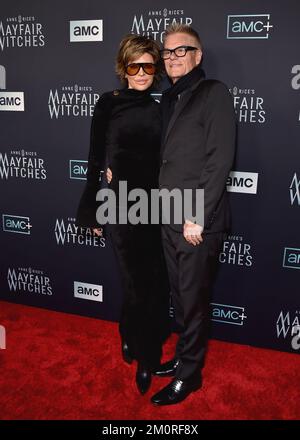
176	67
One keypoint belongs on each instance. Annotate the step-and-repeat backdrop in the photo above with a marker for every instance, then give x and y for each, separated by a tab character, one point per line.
56	58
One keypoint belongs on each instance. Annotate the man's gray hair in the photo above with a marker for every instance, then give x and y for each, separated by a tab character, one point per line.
176	28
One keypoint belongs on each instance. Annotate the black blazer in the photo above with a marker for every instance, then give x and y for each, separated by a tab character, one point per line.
198	149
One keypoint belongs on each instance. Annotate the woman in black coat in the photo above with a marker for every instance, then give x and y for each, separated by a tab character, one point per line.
125	133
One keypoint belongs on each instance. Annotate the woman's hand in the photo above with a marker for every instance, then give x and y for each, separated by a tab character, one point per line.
108	175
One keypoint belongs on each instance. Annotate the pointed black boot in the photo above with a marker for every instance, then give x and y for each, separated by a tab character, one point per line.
143	378
127	357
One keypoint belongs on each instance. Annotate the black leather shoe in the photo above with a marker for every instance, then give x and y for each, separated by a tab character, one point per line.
126	353
176	391
143	378
167	369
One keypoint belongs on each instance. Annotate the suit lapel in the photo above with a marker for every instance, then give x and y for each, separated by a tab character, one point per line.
178	109
183	101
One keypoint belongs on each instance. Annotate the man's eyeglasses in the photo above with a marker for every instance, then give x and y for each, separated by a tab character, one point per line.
133	68
179	51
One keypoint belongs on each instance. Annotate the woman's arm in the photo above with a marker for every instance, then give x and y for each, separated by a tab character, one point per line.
86	213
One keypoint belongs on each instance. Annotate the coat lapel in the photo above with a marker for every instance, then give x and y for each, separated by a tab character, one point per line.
178	109
183	101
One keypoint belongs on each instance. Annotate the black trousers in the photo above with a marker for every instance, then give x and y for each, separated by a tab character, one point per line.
144	320
192	270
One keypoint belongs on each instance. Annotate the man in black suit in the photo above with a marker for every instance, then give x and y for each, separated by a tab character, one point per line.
197	152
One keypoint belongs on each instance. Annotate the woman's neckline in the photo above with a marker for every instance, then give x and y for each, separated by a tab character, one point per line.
136	92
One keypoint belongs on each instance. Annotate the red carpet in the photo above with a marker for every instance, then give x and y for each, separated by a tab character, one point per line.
60	366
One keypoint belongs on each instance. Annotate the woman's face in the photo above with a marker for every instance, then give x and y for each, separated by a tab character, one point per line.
140	81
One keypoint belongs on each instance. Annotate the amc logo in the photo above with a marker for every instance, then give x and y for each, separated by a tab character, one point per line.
93	292
86	30
16	223
227	314
249	26
242	182
12	101
291	258
78	169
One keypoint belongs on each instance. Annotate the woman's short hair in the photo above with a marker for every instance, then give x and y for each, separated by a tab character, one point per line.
132	47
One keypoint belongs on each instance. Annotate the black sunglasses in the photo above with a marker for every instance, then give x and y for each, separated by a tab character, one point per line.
133	68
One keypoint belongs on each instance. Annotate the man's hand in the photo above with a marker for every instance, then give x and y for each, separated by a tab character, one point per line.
108	175
192	232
